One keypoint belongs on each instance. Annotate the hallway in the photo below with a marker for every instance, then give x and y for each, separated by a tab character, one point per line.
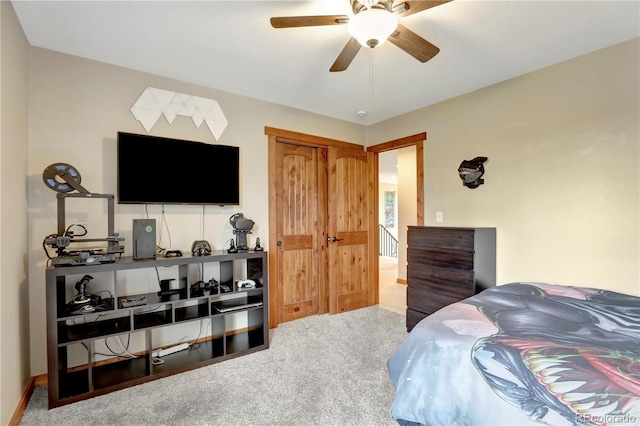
393	296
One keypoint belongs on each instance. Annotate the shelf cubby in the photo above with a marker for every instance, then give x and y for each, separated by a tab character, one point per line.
242	342
243	301
193	311
201	352
123	370
152	317
73	383
71	310
153	299
91	327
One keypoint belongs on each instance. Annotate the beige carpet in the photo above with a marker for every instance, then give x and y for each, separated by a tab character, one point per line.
320	370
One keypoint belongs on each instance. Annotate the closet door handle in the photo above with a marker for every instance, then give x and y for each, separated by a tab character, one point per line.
335	239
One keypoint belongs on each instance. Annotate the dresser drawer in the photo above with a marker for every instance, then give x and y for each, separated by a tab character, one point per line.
441	258
422	299
459	284
455	238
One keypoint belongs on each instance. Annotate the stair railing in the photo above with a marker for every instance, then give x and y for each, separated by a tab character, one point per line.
388	243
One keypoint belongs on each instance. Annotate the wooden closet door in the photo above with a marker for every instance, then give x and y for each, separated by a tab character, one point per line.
297	206
351	238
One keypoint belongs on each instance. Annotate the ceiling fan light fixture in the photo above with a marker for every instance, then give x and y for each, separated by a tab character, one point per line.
372	27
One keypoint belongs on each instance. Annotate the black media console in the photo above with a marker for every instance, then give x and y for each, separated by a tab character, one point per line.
148	319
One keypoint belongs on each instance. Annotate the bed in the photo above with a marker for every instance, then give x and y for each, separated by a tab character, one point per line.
519	354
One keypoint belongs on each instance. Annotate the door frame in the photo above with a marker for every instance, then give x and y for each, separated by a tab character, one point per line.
416	140
276	136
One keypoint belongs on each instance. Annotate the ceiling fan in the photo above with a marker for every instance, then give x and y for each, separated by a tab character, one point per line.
373	22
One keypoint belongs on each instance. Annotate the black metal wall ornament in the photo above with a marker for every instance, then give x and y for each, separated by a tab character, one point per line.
471	172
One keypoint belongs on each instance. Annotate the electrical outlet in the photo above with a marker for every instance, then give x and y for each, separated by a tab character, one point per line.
439	216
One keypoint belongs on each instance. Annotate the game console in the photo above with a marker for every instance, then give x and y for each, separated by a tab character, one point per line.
144	239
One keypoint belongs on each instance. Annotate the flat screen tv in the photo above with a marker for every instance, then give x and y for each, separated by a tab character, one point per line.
157	170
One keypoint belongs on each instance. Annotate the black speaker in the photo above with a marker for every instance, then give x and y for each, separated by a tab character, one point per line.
144	238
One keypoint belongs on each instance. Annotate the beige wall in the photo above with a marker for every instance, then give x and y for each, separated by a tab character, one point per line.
561	183
14	300
407	210
78	106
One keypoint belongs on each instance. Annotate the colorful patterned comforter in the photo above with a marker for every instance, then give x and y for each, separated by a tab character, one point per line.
523	353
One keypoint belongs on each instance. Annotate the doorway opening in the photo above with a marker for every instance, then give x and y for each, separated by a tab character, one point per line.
400	204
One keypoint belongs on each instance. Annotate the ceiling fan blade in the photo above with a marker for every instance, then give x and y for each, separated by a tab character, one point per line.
346	56
308	21
413	44
410	7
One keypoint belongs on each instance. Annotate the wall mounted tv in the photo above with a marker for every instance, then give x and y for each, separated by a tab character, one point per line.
157	170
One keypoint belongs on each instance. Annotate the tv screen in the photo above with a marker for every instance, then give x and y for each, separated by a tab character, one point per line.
160	170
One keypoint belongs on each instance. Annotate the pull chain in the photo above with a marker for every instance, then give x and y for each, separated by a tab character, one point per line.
371	72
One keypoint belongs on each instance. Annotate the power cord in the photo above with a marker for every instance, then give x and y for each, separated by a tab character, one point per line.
68	230
105	291
164	221
195	344
125	350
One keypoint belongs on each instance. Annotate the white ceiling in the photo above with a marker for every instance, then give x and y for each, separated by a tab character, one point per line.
230	45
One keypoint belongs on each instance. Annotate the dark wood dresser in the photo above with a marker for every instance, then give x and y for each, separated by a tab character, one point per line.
446	265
